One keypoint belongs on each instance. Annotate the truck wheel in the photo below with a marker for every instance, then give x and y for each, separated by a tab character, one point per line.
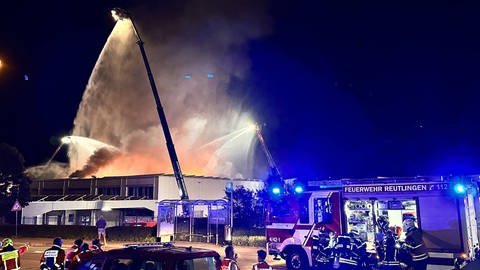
297	260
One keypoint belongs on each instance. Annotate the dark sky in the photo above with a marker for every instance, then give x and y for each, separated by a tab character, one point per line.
346	88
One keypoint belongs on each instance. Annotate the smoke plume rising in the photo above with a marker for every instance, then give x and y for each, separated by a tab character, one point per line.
99	159
195	51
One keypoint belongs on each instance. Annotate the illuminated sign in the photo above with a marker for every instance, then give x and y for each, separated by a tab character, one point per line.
396	188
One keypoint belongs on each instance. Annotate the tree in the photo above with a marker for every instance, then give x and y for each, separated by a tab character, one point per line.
243	207
14	184
248	207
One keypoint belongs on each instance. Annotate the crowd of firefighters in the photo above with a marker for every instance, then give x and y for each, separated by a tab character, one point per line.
55	258
52	258
349	251
229	262
387	248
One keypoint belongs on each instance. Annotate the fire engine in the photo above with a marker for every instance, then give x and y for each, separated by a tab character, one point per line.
443	211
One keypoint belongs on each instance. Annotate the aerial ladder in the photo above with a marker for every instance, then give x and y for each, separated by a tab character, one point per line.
121	14
274	172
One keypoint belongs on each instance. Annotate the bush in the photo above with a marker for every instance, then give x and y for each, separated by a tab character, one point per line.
251	241
253	237
242	237
135	234
249	232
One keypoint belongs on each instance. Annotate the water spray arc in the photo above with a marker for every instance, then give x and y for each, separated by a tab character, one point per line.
228	137
120	14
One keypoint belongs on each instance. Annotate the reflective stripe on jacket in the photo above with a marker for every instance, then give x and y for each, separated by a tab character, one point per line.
229	264
261	266
414	242
53	258
10	257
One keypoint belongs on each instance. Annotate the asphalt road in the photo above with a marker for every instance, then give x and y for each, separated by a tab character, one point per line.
247	256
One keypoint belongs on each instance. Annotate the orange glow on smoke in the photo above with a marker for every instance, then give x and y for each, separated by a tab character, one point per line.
192	163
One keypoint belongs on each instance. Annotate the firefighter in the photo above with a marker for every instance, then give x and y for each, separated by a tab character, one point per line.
72	252
332	239
415	245
96	247
83	259
380	237
230	260
9	256
53	258
80	257
390	262
343	253
262	264
359	247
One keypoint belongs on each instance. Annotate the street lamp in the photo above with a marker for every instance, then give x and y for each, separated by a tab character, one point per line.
120	14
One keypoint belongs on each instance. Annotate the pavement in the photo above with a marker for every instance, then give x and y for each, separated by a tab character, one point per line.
247	256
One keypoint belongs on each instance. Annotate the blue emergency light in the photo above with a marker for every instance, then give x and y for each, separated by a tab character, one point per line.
276	190
460	188
298	189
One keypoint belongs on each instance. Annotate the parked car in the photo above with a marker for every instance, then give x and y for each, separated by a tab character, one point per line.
156	257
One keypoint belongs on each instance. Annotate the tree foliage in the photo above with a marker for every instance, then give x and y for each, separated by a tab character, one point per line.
248	208
14	184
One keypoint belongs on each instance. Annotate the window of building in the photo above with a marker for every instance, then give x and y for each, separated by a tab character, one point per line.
109	191
84	220
141	191
71	217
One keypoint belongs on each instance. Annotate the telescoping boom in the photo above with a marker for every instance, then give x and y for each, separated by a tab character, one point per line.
121	14
271	162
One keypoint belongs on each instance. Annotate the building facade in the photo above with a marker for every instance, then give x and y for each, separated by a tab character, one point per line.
122	200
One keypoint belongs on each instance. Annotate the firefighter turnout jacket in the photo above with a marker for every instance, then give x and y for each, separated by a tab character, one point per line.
10	257
390	252
71	253
53	258
83	257
261	266
415	245
229	264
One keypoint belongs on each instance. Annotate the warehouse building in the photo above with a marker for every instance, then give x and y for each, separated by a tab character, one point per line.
122	200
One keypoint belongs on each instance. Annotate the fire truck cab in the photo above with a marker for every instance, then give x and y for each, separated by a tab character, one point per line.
293	220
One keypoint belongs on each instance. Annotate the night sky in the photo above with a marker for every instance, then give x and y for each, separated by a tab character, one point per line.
345	88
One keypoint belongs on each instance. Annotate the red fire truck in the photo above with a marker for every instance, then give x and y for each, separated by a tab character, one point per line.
447	219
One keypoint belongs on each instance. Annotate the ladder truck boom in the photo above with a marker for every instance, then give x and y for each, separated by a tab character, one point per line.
271	162
123	14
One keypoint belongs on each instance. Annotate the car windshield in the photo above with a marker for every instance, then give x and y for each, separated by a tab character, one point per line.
206	263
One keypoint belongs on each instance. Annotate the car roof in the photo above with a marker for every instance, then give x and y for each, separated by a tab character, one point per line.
164	253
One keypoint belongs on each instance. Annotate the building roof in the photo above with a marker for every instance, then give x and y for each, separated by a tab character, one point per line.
136	176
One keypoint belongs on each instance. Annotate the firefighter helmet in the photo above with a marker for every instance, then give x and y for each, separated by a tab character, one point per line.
7	242
408	223
78	242
96	242
58	241
383	223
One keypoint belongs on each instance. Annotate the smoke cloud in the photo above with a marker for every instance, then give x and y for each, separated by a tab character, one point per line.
48	171
195	50
99	159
